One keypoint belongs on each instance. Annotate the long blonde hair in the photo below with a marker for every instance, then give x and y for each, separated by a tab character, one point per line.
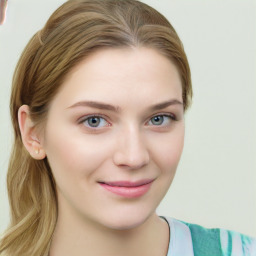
74	31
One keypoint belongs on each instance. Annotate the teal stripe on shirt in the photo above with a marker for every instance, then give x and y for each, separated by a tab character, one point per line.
220	242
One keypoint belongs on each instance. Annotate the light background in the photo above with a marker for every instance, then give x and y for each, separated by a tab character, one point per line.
215	181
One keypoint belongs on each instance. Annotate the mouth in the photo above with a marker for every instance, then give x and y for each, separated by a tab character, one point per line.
128	189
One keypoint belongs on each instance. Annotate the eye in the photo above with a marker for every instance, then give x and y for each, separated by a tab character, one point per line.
161	120
94	122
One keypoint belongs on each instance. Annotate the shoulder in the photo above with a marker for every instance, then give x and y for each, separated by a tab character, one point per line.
220	241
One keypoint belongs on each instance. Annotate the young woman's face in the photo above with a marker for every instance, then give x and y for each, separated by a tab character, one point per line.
114	136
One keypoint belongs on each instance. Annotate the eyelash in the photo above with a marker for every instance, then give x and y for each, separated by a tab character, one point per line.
84	119
172	117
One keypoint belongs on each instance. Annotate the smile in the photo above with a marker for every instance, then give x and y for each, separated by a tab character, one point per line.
128	189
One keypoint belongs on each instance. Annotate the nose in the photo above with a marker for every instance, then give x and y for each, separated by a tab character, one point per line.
131	150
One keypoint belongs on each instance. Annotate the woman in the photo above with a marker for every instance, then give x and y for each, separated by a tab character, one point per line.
97	105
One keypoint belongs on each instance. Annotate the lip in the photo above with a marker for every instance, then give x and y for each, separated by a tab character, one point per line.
128	189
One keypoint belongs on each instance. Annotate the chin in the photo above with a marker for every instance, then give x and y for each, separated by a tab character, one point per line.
126	222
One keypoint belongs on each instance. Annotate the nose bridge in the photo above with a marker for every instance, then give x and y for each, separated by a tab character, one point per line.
131	149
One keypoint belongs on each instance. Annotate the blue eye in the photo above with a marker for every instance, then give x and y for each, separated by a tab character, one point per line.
161	120
95	122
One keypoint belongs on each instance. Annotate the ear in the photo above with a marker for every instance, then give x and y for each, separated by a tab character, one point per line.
29	134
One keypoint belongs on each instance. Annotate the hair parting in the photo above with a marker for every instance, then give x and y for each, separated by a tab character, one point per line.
73	32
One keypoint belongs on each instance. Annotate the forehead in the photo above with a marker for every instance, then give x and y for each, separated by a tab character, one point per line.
125	75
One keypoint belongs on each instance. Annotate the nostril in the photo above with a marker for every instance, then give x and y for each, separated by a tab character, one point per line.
131	149
126	160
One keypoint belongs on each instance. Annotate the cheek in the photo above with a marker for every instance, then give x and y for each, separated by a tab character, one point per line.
74	153
168	150
174	151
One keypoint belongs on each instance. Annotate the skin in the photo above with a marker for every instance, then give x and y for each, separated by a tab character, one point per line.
128	144
3	7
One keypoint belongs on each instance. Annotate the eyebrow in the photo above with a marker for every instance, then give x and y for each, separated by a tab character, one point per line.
165	104
95	104
100	105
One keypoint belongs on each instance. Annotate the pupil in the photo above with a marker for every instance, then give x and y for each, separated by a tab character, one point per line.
94	121
157	120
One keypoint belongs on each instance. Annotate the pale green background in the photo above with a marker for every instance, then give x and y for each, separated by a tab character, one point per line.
215	183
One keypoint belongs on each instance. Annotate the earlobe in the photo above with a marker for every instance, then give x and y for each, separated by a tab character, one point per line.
29	135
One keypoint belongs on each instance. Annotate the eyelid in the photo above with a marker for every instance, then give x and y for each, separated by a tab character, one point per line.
171	115
84	118
165	124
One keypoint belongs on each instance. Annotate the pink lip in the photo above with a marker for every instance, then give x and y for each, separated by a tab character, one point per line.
128	189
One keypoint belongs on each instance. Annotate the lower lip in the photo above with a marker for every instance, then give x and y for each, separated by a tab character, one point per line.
128	192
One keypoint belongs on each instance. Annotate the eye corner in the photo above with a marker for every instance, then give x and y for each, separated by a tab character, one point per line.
164	120
99	122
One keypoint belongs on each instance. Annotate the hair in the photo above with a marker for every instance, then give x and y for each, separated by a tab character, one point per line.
75	30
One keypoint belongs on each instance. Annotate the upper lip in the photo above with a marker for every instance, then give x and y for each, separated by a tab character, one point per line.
126	183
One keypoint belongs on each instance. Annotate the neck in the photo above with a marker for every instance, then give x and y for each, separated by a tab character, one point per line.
78	237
